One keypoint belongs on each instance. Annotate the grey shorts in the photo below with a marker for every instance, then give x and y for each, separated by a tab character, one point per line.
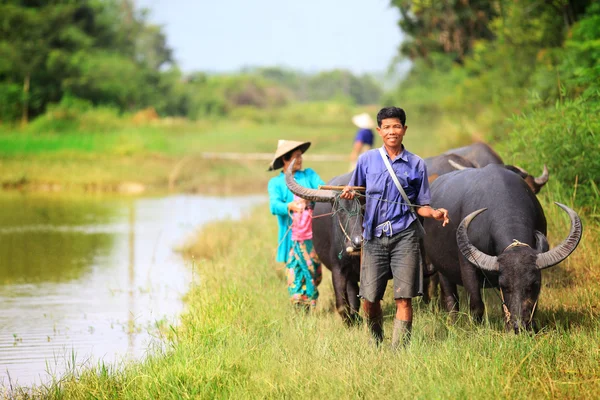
396	256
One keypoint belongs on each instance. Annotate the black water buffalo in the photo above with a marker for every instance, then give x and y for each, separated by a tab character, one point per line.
445	163
337	238
506	245
437	166
481	154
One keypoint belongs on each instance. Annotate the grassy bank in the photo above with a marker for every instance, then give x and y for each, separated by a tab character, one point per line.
241	339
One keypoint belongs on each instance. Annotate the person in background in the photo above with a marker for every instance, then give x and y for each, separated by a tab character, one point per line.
363	141
294	217
391	229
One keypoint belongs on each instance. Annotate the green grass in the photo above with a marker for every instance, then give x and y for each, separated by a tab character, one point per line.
240	338
149	155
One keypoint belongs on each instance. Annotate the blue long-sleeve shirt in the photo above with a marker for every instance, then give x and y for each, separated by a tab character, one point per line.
365	136
279	197
384	202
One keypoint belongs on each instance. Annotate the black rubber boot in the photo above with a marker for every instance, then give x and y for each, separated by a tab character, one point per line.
401	334
375	325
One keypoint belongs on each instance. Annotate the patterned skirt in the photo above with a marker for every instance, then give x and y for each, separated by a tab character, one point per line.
303	273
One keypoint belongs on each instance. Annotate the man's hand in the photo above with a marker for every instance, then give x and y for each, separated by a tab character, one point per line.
441	214
347	193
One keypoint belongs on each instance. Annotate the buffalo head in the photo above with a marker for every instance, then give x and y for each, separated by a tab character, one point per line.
346	214
534	183
519	267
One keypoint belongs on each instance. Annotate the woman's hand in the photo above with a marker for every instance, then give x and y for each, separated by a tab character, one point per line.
295	206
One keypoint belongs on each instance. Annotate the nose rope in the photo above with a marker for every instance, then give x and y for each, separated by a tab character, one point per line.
500	296
353	211
516	243
505	308
343	230
323	215
532	311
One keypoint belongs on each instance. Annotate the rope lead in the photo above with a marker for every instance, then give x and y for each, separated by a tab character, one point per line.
354	210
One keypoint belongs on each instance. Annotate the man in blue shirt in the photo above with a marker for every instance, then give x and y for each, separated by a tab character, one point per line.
391	229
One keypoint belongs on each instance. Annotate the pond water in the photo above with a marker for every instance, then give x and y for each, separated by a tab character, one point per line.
85	280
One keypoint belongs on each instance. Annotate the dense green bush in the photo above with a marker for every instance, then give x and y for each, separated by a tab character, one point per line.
581	63
76	115
567	139
10	98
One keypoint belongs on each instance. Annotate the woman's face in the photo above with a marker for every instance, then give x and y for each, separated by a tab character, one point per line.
297	155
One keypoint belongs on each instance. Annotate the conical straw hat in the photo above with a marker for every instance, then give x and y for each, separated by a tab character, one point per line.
363	121
285	146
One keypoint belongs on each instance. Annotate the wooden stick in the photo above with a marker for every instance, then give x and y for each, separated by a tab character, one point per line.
329	187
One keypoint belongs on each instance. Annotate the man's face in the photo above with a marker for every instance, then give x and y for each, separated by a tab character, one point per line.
392	132
297	155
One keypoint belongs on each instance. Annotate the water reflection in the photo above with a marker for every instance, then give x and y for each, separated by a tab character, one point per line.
84	279
49	239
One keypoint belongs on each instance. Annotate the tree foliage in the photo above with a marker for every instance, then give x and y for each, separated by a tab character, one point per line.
102	51
106	52
538	60
449	26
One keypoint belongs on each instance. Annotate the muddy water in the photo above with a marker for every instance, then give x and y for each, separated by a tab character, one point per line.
87	280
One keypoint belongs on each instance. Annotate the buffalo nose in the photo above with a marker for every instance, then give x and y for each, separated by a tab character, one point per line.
357	242
516	327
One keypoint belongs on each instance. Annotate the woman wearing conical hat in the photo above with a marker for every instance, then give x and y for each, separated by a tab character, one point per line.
294	216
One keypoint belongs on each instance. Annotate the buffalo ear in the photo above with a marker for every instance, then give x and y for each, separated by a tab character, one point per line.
541	242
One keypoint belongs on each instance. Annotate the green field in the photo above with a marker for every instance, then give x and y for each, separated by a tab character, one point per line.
167	155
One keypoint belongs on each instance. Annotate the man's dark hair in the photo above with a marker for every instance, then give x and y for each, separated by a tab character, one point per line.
391	112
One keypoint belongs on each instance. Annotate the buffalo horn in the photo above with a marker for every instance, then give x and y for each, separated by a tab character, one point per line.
523	172
562	251
456	165
306	193
541	180
472	253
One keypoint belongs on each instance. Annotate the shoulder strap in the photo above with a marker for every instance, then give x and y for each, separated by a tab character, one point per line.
395	178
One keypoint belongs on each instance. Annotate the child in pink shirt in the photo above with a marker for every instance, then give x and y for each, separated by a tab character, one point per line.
302	221
303	267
